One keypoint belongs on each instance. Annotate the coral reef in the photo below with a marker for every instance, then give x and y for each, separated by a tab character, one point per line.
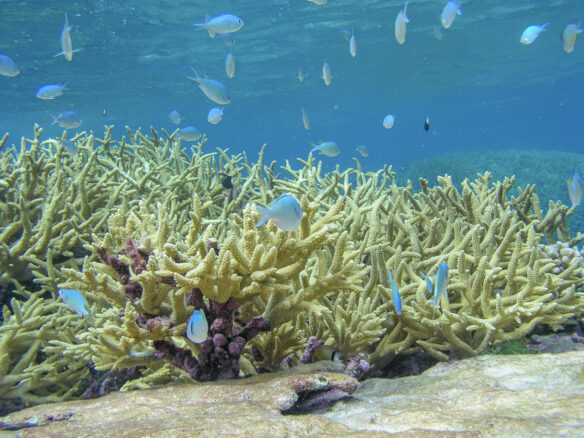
148	233
501	283
545	169
52	200
32	368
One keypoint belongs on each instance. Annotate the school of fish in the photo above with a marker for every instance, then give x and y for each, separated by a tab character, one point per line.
225	25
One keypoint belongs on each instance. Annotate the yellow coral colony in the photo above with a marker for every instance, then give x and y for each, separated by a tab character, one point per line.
327	279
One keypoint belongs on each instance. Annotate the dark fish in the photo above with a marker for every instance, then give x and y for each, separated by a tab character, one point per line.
326	352
227	182
427	124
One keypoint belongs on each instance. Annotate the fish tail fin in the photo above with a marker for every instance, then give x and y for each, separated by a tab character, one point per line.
544	26
212	33
435	301
265	212
54	118
66	20
196	78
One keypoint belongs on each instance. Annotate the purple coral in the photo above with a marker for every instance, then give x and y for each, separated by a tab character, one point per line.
356	366
139	258
102	383
220	352
313	344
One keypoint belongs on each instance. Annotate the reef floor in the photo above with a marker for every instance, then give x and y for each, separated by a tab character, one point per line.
486	396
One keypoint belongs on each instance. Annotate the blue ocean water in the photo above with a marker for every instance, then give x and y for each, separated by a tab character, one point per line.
480	87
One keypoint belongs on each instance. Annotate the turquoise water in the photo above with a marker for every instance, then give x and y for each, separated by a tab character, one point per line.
479	86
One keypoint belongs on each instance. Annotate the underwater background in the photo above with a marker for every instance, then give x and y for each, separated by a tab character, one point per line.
481	89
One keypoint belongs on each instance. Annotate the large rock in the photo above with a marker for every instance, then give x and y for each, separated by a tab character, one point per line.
247	407
490	396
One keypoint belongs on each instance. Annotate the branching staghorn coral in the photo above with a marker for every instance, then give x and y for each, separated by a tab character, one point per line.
30	369
55	194
52	199
501	283
172	238
264	269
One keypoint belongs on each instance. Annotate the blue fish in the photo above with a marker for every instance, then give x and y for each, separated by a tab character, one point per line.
428	282
189	133
395	295
224	23
197	327
285	212
440	285
328	148
50	91
74	301
211	88
67	119
575	188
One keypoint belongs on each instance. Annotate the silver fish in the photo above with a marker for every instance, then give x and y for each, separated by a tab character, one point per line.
400	25
305	119
175	117
225	23
215	115
189	133
74	301
230	65
66	44
68	119
8	67
326	74
47	92
213	89
328	148
440	285
285	212
197	327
